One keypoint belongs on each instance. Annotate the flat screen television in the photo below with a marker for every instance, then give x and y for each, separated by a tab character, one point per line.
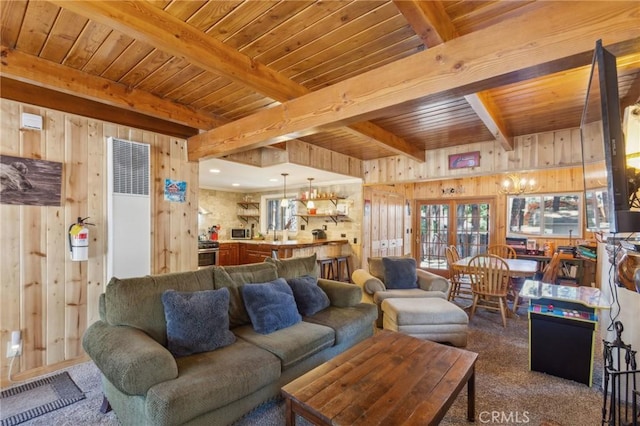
610	189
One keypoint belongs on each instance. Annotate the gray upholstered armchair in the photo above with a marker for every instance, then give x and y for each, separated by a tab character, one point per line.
396	277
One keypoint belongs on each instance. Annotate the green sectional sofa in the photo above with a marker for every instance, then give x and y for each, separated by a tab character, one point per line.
146	384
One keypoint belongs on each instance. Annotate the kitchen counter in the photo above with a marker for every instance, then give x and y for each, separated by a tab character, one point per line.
289	243
251	251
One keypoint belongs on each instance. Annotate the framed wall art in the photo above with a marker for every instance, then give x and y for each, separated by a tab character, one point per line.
28	181
462	161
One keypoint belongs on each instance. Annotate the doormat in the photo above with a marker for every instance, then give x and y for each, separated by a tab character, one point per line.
26	402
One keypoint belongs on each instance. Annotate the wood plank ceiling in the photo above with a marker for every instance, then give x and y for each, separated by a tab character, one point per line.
187	66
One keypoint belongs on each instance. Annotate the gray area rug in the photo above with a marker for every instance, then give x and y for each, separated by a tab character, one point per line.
507	393
28	401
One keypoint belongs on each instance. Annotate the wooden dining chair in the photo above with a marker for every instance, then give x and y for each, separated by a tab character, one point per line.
460	284
454	250
502	250
489	276
549	276
507	252
550	273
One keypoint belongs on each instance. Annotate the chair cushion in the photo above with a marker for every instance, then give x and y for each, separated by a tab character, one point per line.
400	273
197	321
376	268
309	297
429	311
271	306
379	296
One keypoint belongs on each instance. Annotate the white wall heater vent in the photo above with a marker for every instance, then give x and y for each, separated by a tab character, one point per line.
128	209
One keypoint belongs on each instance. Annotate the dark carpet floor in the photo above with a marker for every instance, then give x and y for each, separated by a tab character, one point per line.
507	392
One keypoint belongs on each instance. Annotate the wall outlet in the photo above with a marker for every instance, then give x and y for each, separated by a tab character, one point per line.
14	350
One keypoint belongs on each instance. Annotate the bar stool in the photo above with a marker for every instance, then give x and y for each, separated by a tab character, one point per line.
342	265
326	268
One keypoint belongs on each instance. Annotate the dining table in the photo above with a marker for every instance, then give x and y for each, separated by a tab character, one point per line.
518	268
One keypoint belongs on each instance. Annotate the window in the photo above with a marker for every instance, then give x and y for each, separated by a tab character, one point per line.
597	210
273	215
558	215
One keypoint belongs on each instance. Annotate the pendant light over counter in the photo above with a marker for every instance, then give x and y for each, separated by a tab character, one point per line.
310	203
285	201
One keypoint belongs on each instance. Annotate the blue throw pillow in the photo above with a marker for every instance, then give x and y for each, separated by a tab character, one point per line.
309	297
400	273
197	321
271	306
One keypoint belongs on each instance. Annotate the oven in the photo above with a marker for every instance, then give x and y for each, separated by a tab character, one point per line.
208	253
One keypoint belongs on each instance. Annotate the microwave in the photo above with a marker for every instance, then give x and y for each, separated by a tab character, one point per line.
240	234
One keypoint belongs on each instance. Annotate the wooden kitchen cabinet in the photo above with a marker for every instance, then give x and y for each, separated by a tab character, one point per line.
229	254
254	253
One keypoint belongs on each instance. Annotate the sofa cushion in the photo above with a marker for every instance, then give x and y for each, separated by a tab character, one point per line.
233	278
211	380
123	299
347	323
197	321
309	297
271	306
295	266
400	273
292	344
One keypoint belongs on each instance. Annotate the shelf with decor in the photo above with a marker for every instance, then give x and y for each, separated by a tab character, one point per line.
249	210
333	200
339	214
329	217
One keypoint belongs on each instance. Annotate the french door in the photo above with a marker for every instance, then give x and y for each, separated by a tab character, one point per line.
467	224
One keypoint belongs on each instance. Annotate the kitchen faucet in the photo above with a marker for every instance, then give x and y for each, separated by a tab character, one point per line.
275	237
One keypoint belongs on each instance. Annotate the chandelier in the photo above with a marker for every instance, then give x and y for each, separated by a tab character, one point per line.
515	184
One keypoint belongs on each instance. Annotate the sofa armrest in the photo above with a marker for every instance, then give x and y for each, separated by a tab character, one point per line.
368	282
341	295
432	282
130	359
102	307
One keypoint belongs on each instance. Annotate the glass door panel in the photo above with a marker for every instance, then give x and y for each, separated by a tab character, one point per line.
434	225
472	228
463	223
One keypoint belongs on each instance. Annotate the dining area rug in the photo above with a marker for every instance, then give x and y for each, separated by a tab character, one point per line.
25	402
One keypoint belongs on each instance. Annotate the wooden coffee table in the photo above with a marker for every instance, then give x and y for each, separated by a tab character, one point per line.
388	379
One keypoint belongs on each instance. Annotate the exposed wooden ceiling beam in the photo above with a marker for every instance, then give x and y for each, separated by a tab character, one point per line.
464	65
31	69
157	28
431	23
47	98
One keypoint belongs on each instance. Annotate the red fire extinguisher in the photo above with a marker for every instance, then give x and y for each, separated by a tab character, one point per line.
79	240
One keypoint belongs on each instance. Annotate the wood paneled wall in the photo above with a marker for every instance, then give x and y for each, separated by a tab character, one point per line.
568	179
42	293
538	151
554	159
